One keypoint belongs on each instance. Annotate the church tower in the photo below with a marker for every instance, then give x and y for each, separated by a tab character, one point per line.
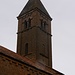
34	33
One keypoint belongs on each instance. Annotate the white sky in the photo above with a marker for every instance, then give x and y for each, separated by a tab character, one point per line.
63	28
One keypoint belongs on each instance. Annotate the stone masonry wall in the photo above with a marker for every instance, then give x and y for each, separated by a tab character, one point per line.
9	66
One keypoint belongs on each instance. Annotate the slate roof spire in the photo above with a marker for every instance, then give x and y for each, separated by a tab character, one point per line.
31	5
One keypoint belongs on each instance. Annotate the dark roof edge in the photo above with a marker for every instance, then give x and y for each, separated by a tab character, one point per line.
35	9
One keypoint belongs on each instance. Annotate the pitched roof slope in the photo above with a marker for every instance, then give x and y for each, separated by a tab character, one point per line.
32	4
37	65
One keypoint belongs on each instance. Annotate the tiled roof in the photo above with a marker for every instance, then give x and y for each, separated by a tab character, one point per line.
37	65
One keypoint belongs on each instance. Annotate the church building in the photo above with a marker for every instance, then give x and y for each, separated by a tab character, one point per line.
34	44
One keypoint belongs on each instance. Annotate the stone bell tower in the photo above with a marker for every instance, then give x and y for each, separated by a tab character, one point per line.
34	33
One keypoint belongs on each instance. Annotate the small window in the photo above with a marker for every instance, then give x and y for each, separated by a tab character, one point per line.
43	50
26	48
41	23
29	22
25	24
43	47
44	26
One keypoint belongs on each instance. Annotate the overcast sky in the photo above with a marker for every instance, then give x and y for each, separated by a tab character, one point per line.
63	30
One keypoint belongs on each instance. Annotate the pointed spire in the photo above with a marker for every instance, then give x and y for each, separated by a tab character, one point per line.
32	4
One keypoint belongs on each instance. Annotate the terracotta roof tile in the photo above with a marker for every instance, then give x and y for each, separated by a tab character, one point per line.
38	65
